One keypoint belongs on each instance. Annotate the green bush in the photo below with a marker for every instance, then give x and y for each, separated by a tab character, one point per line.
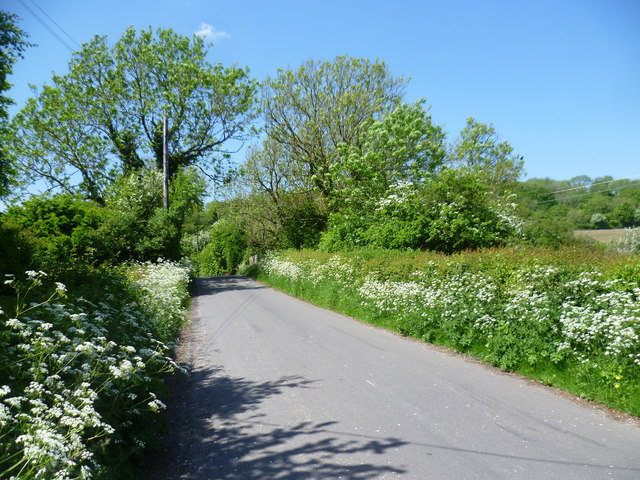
452	211
63	230
548	230
224	252
137	227
18	247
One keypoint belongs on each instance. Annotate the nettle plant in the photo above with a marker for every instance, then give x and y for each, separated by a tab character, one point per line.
80	379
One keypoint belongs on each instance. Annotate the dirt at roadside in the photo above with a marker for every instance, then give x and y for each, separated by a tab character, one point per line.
171	461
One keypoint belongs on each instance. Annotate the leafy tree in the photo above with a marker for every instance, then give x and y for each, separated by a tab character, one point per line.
404	146
290	181
623	215
269	202
597	203
599	220
479	149
60	230
111	106
12	46
395	155
225	251
578	218
136	226
535	194
580	181
309	112
452	211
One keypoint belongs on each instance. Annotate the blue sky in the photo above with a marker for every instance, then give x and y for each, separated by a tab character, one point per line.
559	80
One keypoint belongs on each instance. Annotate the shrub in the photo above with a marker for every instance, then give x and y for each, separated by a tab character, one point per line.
224	252
630	243
63	229
452	211
547	230
18	247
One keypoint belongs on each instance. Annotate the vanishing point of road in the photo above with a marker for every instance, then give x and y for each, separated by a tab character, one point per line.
280	389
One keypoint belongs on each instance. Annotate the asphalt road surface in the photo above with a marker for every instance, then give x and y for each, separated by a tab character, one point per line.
281	389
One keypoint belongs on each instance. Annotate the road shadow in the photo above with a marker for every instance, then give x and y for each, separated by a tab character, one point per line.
211	285
215	436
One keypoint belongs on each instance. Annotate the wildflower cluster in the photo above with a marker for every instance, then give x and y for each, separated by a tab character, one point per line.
514	317
165	286
272	265
79	379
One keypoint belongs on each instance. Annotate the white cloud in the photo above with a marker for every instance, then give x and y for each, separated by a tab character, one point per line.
210	33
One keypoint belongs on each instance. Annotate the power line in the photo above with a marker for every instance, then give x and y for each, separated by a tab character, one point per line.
588	193
54	22
44	24
634	177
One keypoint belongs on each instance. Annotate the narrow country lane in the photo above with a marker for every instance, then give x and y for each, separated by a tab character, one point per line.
281	389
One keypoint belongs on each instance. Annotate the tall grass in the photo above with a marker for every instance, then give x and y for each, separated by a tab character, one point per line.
569	318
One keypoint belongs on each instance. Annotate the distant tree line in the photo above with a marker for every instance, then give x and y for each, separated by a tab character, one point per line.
551	207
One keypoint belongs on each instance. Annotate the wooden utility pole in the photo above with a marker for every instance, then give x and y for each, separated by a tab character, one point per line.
165	161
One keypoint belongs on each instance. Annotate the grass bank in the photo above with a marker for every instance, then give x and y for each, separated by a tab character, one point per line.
568	318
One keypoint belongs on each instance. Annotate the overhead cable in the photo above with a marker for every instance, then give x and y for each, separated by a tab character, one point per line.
45	25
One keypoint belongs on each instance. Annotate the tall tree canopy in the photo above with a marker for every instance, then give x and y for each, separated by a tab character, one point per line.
12	45
311	115
106	114
309	112
404	146
480	150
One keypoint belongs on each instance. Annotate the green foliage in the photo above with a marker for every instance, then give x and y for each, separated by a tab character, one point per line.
303	222
224	252
274	208
547	230
12	46
113	101
623	215
63	229
577	204
18	247
599	220
137	227
464	214
403	146
480	150
452	211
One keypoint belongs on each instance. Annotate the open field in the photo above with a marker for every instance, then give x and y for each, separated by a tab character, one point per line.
604	236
